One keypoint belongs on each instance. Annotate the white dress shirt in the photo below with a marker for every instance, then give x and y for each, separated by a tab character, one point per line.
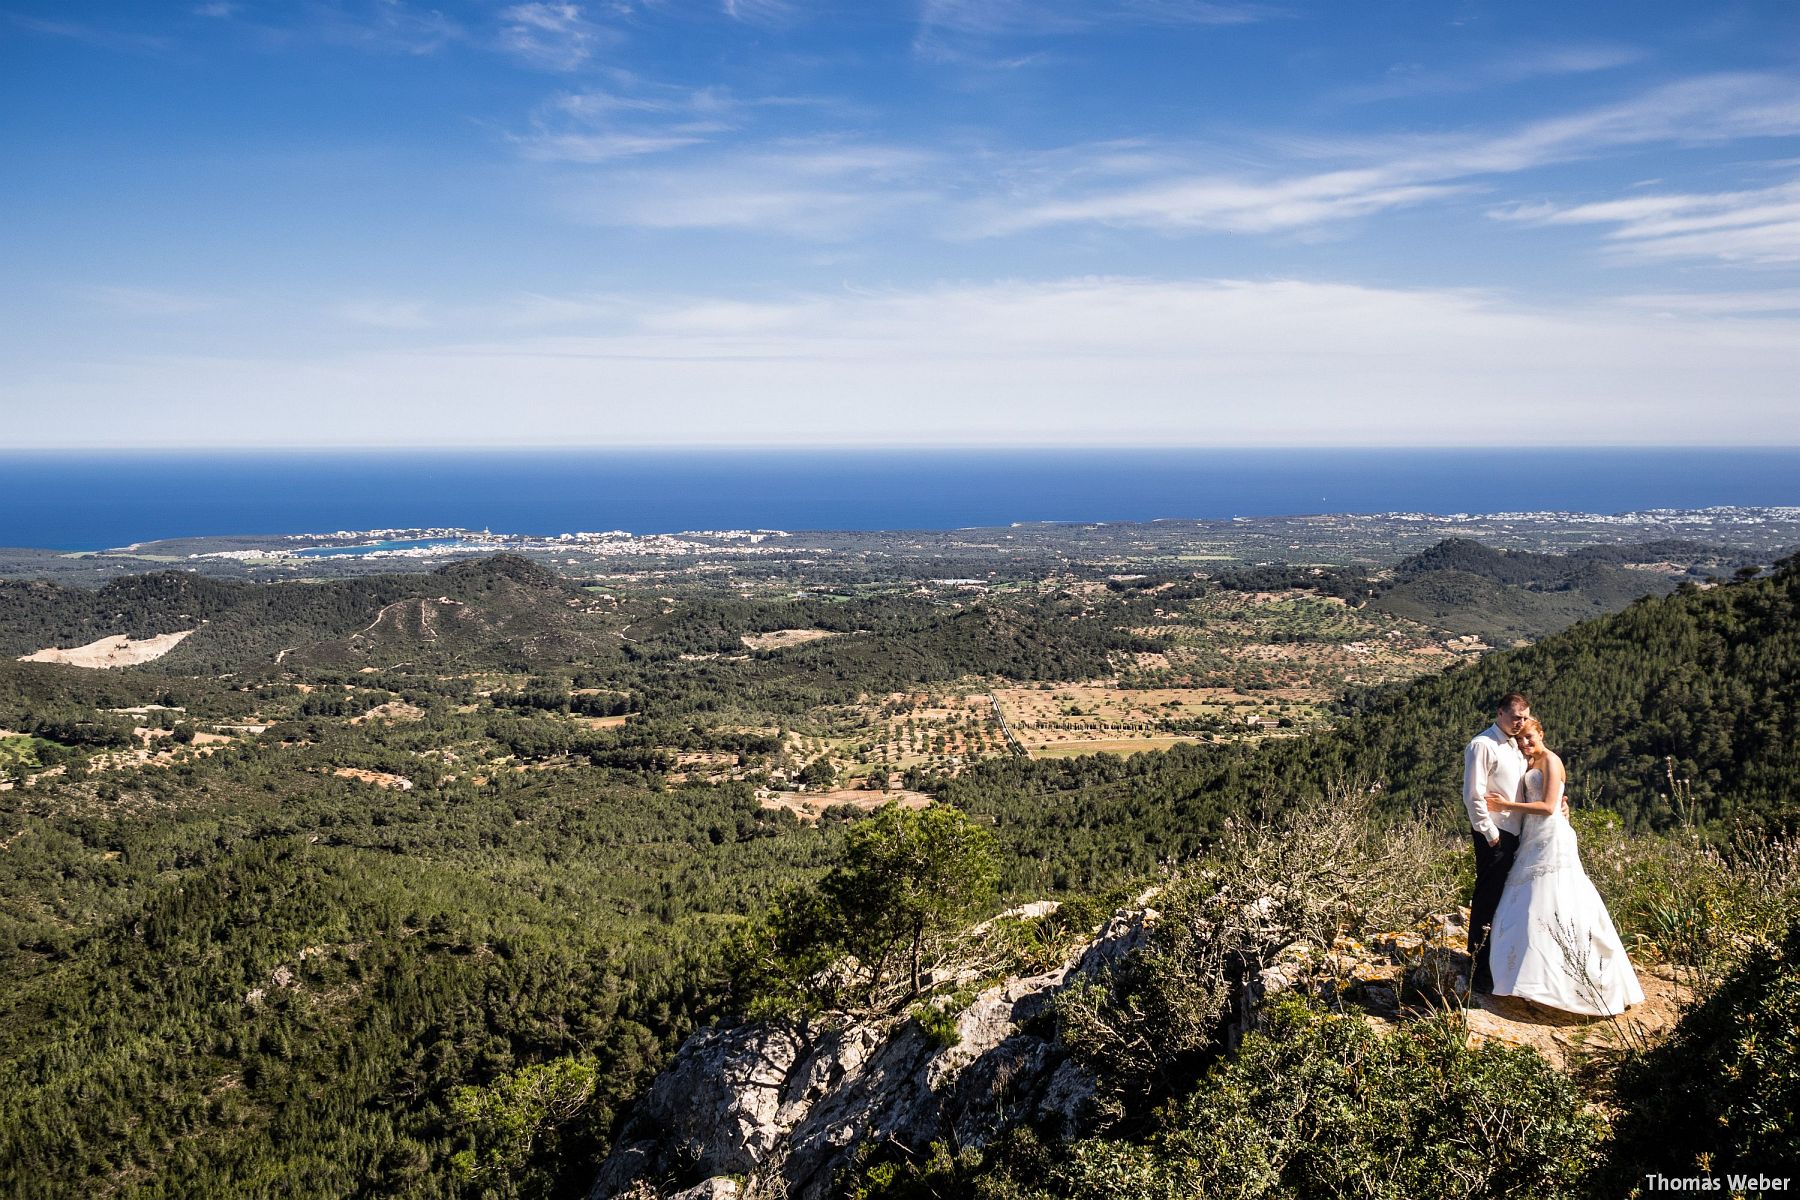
1492	764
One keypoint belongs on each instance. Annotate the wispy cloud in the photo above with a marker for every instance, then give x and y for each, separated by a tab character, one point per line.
104	37
759	12
1700	111
971	33
598	126
1421	79
822	190
551	36
1393	173
1236	206
375	26
994	18
1757	226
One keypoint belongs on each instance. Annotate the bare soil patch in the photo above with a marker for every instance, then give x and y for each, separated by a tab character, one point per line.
109	652
382	779
394	710
601	722
781	639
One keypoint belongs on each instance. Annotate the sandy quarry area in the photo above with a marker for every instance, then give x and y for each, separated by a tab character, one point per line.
781	639
109	652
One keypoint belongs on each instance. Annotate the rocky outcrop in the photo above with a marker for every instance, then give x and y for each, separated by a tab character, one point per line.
760	1111
787	1112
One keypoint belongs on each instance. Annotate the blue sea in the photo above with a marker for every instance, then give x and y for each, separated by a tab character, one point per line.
86	501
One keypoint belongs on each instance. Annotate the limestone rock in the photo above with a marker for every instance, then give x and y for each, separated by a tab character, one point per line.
789	1113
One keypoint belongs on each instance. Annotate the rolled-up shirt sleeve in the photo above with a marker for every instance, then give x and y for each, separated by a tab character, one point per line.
1476	767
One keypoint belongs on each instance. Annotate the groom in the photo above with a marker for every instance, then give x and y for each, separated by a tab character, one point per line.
1492	764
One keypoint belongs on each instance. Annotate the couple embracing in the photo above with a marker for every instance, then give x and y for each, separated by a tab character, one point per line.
1537	928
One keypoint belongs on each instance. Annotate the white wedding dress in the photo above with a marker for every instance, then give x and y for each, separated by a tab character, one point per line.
1553	940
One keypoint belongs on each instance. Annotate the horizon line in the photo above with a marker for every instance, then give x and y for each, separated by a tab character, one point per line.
901	447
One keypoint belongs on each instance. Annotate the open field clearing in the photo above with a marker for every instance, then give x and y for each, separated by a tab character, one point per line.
602	722
809	806
1093	718
781	639
1299	645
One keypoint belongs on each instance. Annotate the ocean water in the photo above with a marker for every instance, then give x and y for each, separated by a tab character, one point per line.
87	501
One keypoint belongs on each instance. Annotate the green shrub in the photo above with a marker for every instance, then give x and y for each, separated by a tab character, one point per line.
869	931
1329	871
1322	1105
516	1125
1722	1093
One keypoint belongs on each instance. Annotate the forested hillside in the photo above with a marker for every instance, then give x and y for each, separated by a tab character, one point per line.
265	964
1689	699
1502	595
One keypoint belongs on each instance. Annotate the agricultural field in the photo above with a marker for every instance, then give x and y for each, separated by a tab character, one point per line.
1232	666
1100	718
1236	666
1293	644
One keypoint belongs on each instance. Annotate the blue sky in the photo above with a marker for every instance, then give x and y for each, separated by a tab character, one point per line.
378	222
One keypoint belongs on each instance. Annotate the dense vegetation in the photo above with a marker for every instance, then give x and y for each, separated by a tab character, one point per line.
1726	1087
249	974
1687	706
275	987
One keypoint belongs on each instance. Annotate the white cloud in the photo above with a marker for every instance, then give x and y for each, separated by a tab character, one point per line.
104	37
1227	204
1075	362
758	11
1700	111
823	190
599	126
990	18
601	147
392	26
552	36
1760	226
1395	173
1419	79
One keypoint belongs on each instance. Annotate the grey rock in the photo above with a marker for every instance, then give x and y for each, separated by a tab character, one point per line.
716	1188
714	1111
1381	999
791	1114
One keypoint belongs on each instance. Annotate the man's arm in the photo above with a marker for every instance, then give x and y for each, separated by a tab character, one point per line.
1475	788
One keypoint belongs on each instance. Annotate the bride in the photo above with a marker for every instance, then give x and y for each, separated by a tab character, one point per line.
1553	941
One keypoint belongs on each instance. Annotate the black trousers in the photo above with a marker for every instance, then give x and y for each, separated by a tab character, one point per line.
1491	865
